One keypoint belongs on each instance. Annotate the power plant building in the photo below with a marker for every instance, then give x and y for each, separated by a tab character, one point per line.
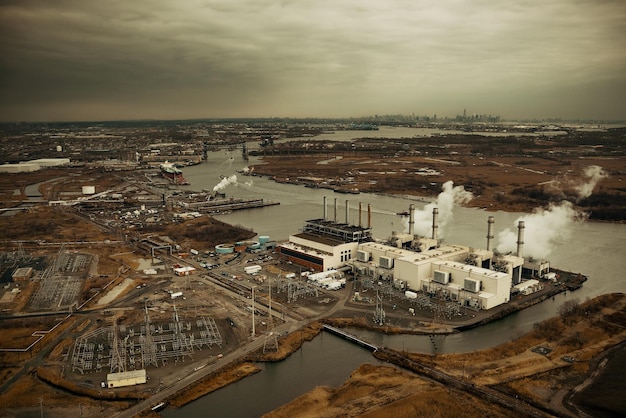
475	278
326	244
441	272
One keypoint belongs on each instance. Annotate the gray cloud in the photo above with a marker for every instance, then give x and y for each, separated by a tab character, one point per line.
76	59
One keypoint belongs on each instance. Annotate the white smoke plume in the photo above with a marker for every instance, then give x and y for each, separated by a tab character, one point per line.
446	200
593	174
225	182
543	230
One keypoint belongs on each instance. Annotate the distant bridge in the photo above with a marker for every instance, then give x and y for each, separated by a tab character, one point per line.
350	337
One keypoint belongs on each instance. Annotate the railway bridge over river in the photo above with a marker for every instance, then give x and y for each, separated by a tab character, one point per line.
350	337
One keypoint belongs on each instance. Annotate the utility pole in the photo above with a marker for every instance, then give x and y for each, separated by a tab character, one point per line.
270	334
253	331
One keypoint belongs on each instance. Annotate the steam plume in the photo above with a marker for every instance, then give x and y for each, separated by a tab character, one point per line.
593	174
450	196
225	182
543	230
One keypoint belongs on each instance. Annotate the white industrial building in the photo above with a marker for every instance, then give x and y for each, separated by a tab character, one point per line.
50	162
33	165
324	244
317	253
441	272
130	378
19	168
184	270
475	278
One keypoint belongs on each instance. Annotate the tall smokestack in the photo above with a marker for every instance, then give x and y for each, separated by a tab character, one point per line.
335	218
411	218
369	215
325	214
360	210
520	239
347	212
435	222
490	222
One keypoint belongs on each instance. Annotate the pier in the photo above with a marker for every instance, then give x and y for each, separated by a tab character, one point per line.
227	205
350	337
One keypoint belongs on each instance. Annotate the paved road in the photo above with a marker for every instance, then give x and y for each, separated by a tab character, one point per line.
187	375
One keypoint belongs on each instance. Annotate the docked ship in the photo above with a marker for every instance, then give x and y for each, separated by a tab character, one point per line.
171	172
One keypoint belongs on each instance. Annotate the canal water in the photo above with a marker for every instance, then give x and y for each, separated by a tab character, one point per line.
593	249
326	361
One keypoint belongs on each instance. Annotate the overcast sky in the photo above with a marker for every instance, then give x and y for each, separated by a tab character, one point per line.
163	59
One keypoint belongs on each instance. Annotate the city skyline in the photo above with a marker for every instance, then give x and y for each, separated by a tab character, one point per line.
73	60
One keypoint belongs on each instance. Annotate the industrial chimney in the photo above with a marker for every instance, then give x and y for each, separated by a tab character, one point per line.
325	214
435	223
360	210
490	222
520	239
335	218
369	215
411	218
347	212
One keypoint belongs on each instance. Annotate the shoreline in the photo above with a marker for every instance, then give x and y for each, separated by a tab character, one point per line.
444	370
294	340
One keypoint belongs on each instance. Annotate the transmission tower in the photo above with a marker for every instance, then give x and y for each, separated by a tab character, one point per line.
183	342
379	313
21	254
271	342
148	346
118	362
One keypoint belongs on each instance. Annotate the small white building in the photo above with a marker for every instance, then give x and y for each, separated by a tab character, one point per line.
121	379
184	271
22	273
527	287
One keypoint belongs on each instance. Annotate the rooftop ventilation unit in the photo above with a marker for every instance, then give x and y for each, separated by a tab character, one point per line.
471	285
442	277
363	256
386	262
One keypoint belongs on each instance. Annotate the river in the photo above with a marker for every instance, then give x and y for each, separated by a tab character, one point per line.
277	383
593	249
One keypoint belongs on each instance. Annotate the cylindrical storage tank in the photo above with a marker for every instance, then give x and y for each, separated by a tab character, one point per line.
224	248
59	148
263	239
89	189
247	245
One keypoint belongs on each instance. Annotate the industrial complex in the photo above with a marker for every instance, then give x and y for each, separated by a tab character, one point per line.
476	278
141	291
